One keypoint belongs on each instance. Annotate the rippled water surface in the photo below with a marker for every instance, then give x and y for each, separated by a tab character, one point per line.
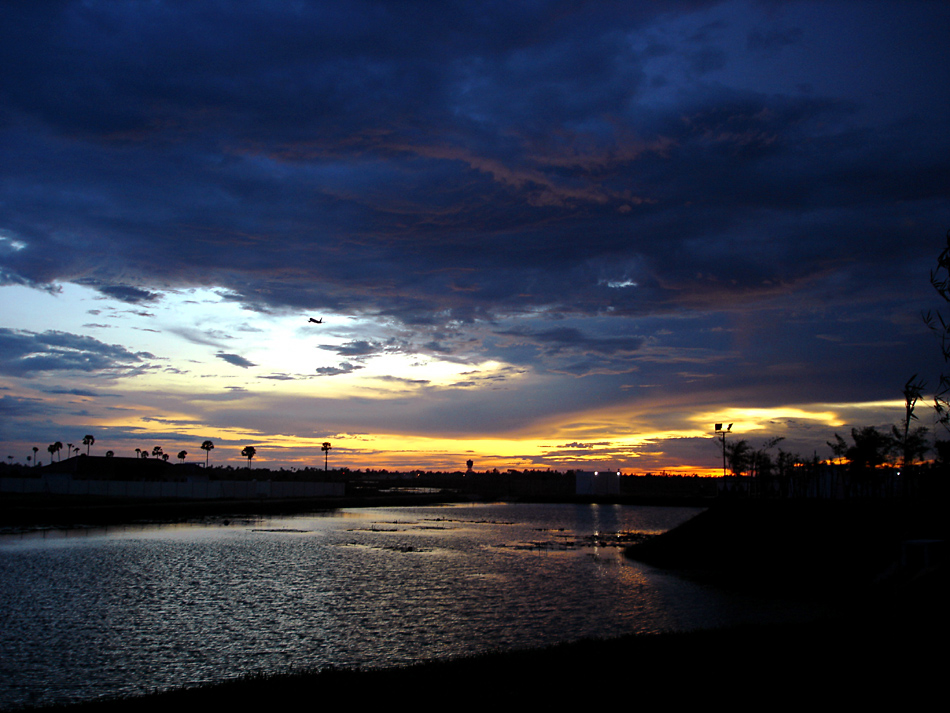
85	614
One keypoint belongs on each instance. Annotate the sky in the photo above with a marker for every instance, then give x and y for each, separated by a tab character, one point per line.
557	234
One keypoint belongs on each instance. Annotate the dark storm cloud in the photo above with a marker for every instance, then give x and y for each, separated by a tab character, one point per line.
125	293
403	381
25	353
344	368
569	338
13	408
235	359
76	392
356	348
367	144
624	161
570	351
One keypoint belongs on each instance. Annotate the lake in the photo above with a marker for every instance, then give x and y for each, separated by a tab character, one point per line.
88	613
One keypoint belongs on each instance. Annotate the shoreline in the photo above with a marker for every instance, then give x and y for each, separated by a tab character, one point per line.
28	513
25	514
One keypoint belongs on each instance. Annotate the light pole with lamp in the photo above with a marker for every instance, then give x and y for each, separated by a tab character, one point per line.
721	432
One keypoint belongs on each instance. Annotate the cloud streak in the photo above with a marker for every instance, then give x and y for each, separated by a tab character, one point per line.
236	360
25	354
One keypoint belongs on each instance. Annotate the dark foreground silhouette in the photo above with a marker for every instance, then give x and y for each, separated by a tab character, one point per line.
832	661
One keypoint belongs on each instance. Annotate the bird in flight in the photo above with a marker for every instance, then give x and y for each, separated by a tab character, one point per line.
317	321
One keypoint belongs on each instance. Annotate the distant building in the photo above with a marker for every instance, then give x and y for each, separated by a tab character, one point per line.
602	482
83	467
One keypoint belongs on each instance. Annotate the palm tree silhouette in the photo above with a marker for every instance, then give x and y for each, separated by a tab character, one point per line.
87	441
249	452
182	455
110	454
53	448
35	451
739	454
326	450
157	451
138	452
206	447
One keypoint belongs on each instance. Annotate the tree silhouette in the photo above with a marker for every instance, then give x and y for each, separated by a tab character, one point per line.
839	448
157	452
910	444
207	447
760	462
87	441
138	452
69	450
326	457
871	447
53	448
35	451
182	455
110	454
249	452
940	280
913	446
738	455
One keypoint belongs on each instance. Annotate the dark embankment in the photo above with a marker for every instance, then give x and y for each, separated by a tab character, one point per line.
820	548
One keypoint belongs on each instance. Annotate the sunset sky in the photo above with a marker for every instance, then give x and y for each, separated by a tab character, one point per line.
539	234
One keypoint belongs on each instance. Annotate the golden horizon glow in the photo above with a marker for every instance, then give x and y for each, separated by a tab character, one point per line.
197	359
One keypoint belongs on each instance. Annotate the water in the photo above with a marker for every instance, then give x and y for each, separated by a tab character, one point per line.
126	610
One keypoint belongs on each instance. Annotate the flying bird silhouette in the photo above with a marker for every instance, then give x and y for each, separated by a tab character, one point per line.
317	321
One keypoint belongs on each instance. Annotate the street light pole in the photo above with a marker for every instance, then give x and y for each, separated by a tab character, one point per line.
721	432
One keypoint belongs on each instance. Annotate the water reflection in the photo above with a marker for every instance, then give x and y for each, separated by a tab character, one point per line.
136	608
